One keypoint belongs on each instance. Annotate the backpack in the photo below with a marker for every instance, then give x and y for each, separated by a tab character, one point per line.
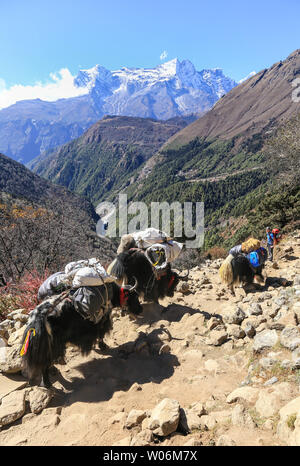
277	235
258	257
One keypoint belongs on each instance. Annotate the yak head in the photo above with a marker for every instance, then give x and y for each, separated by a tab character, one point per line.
168	282
129	299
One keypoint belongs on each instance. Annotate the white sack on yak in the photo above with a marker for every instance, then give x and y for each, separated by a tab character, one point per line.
87	273
160	254
150	236
53	285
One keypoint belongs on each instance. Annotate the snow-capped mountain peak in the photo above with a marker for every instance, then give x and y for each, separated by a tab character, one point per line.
89	78
170	89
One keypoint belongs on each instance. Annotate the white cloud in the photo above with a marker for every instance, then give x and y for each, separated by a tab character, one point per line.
247	77
60	86
2	84
163	55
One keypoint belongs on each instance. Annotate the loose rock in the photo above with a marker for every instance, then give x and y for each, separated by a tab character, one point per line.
164	418
265	339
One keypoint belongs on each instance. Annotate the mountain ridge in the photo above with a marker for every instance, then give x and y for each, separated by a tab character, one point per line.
21	183
169	90
224	164
107	155
232	115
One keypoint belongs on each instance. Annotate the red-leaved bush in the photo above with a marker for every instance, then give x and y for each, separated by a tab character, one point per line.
22	294
28	287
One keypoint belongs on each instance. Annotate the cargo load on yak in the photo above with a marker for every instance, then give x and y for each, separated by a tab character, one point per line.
257	258
148	237
160	249
161	254
87	273
88	284
53	285
92	302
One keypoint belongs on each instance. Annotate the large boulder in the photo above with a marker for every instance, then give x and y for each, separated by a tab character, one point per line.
10	359
249	394
290	337
164	417
288	428
12	407
264	339
134	418
234	316
240	417
268	403
38	398
255	309
217	337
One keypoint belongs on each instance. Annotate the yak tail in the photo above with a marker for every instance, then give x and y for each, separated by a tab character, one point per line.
117	267
226	272
36	343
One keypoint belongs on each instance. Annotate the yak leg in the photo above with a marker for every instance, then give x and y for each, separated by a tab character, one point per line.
102	346
259	278
45	382
231	289
249	287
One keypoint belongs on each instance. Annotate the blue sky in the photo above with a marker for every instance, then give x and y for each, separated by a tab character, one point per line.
39	37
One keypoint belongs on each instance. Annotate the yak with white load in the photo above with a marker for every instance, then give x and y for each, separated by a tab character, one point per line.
147	256
76	309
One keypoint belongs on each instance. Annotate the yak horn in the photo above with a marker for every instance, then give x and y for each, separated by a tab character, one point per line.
184	276
131	287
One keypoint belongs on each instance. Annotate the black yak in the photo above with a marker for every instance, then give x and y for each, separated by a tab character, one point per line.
51	326
238	269
151	284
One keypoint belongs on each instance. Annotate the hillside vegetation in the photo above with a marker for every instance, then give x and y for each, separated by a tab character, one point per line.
42	225
234	159
256	190
107	157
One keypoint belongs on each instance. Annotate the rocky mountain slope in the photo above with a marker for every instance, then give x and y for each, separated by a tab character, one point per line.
224	157
262	100
172	89
239	122
202	368
30	127
19	182
41	224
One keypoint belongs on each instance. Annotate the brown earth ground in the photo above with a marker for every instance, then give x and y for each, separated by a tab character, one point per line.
94	394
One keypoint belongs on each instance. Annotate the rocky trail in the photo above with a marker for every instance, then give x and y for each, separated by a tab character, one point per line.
202	368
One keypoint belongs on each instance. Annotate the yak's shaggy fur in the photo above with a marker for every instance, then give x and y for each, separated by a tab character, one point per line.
237	270
53	327
226	272
151	286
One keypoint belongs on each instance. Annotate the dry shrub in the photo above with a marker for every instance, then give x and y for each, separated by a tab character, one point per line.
189	258
217	252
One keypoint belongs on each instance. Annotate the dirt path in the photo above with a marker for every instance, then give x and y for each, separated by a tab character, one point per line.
94	394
